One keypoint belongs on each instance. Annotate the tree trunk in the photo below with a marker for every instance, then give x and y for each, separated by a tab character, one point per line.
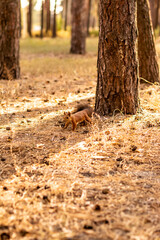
88	17
154	6
79	26
157	12
9	39
54	30
117	84
66	15
148	65
42	20
48	17
29	18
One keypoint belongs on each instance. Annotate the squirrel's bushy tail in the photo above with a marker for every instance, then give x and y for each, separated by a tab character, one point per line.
84	106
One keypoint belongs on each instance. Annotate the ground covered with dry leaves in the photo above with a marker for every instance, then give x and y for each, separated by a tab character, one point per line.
101	182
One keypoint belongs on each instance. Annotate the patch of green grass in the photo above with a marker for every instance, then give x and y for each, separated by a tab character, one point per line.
51	56
53	45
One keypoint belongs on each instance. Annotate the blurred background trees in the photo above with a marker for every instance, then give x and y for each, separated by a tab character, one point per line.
55	15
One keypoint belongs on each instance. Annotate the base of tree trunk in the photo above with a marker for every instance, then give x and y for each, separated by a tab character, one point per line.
117	83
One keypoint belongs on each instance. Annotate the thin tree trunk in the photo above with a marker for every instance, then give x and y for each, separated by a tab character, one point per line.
79	26
154	6
54	30
117	83
20	20
9	39
66	15
30	18
48	17
42	20
157	13
89	14
148	65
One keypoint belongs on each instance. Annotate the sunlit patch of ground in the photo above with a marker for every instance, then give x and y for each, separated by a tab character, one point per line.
101	181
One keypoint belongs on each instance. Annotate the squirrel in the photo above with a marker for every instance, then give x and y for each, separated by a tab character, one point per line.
83	112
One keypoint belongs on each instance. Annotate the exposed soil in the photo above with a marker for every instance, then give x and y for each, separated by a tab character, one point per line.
101	182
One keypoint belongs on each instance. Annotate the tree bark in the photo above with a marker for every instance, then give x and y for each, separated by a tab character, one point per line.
9	39
117	83
79	26
148	65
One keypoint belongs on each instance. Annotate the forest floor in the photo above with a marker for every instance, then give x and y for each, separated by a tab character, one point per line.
101	182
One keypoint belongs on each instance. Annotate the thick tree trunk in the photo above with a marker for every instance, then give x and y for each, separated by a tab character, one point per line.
79	26
9	39
148	65
117	84
29	18
54	30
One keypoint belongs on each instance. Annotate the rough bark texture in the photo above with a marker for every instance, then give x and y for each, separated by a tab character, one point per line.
79	11
117	83
9	39
148	65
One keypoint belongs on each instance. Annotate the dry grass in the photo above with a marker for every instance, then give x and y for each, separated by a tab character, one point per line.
99	182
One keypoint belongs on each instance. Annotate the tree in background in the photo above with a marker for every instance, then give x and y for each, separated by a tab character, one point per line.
117	83
79	26
29	18
65	15
89	14
148	65
54	29
48	15
42	19
154	6
9	39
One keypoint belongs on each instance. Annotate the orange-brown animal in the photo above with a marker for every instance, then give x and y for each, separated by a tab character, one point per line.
83	112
